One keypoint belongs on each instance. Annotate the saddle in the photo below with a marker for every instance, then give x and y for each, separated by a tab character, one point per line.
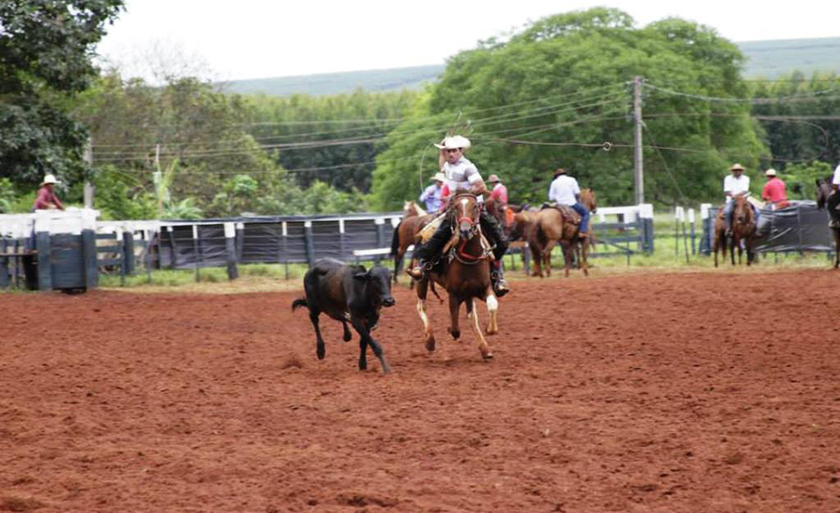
569	214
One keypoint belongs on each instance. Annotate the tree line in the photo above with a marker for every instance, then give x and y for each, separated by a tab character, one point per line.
555	94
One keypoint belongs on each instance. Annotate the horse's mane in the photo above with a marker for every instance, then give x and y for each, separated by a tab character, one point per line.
408	206
587	197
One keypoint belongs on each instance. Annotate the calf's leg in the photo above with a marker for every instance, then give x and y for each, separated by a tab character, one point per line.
320	349
375	346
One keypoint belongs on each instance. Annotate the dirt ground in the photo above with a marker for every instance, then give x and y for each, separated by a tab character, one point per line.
685	392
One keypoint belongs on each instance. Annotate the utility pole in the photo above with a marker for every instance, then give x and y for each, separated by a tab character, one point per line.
89	188
638	175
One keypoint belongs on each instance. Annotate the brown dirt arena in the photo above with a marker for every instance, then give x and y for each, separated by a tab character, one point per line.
684	392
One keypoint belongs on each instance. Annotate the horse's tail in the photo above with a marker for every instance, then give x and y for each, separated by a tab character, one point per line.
297	303
395	240
539	234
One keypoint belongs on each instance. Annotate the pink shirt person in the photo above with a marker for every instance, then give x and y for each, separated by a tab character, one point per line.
775	190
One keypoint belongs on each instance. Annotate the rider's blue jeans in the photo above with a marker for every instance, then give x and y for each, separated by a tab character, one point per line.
584	216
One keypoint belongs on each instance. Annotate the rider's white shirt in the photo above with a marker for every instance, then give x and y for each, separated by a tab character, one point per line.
836	180
564	190
735	186
461	176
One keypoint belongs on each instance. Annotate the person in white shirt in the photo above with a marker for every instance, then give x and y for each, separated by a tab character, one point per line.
735	184
564	190
834	199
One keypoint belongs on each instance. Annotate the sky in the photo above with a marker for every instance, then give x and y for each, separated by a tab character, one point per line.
242	39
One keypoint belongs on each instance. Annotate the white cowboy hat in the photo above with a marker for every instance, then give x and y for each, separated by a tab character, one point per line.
48	179
454	142
736	167
770	172
493	179
439	177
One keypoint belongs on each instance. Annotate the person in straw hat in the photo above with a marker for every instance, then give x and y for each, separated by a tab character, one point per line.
735	184
564	190
431	196
46	198
775	190
462	176
500	191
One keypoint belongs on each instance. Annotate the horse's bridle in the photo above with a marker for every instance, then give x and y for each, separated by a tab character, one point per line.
463	218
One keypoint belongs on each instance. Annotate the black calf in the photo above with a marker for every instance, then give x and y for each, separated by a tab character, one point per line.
348	293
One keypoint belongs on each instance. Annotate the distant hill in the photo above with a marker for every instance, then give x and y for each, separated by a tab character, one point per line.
771	59
765	59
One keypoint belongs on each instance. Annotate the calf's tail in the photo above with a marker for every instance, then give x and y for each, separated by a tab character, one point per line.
297	303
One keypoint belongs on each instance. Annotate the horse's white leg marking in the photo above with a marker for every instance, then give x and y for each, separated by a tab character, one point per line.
421	309
492	311
482	343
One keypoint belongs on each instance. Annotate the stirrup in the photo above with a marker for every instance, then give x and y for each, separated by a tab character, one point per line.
415	272
500	286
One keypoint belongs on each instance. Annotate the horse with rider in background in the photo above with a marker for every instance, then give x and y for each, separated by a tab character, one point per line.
405	234
824	192
743	229
560	224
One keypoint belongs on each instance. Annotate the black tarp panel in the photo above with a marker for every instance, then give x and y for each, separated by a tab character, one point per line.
799	227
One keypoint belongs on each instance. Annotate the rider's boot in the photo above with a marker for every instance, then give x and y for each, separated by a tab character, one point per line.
417	271
497	278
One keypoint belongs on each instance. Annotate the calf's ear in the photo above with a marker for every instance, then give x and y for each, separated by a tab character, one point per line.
361	276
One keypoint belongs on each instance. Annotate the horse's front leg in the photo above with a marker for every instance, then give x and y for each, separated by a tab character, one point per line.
584	256
472	314
732	244
428	336
492	312
454	309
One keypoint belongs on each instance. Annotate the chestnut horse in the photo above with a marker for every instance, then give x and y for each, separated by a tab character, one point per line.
405	234
465	275
719	241
552	226
823	192
743	229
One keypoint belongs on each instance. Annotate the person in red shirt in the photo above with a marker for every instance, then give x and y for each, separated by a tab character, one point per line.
775	191
46	198
500	192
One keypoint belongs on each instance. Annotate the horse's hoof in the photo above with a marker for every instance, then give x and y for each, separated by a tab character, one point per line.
430	343
456	334
487	356
490	332
321	352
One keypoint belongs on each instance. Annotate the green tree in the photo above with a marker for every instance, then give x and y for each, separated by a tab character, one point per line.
800	118
45	59
554	93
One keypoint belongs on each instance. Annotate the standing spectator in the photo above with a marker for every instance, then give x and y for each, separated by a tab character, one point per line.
431	196
775	191
46	198
499	192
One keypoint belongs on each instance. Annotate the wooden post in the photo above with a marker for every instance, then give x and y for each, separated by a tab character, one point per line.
89	258
197	251
693	233
380	237
148	236
240	240
286	248
42	240
173	247
128	252
310	243
230	251
341	238
4	265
